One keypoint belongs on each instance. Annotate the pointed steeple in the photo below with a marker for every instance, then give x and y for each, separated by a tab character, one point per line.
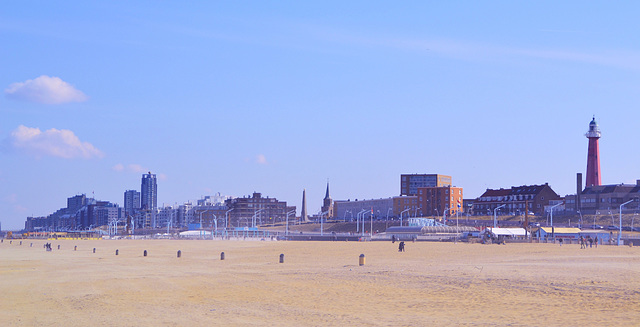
303	213
327	196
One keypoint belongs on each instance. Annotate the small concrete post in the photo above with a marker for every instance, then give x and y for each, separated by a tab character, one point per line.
75	248
20	242
116	252
31	245
221	255
179	253
94	250
281	257
361	262
145	253
58	246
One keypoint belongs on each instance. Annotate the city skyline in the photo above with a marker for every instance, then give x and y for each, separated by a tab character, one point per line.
276	98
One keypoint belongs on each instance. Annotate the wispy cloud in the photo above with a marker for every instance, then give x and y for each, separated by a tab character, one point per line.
474	51
60	143
45	89
132	168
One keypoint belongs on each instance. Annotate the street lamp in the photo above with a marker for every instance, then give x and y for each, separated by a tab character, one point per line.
406	210
580	213
226	221
215	222
389	209
495	221
321	224
358	219
364	213
255	216
201	220
620	232
286	231
551	212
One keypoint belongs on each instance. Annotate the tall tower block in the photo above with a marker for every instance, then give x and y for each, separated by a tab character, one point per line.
593	156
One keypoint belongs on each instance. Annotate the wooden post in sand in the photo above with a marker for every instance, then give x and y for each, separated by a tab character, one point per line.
282	258
361	260
179	253
144	253
221	255
116	252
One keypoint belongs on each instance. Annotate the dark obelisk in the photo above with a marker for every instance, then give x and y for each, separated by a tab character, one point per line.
303	213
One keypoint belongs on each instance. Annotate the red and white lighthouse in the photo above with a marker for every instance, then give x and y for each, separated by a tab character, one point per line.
593	157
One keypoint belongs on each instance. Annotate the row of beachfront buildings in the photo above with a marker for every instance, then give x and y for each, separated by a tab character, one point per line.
421	195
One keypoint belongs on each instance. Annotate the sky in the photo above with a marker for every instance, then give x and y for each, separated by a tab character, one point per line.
278	97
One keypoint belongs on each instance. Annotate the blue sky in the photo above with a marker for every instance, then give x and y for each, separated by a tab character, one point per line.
236	97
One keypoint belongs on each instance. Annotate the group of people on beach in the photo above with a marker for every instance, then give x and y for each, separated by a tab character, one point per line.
588	239
47	246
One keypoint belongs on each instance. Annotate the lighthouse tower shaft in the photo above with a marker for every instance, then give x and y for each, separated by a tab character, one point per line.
593	156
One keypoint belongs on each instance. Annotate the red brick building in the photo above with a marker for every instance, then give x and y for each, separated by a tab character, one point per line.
434	201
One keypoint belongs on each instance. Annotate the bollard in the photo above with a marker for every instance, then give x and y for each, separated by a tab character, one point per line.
75	248
281	257
221	255
179	253
20	242
31	245
58	246
94	250
116	252
361	260
145	253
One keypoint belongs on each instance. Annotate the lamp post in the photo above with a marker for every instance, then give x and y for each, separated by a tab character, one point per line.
389	209
551	212
358	219
321	224
286	231
201	220
580	225
620	231
226	221
215	222
406	210
254	218
364	213
495	221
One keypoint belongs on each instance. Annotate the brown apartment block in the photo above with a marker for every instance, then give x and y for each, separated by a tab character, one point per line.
515	199
434	201
409	183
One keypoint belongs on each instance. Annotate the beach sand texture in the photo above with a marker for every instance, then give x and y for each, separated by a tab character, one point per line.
319	284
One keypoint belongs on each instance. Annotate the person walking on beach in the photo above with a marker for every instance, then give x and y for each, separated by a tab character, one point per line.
582	242
401	247
596	241
590	242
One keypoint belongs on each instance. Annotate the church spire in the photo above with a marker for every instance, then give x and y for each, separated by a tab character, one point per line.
327	196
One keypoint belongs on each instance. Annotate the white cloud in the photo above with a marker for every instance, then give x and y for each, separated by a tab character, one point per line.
45	89
61	143
261	159
118	167
135	168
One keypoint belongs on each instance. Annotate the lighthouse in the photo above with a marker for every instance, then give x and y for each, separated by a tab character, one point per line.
593	156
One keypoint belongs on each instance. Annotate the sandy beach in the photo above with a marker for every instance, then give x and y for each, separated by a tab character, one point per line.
319	284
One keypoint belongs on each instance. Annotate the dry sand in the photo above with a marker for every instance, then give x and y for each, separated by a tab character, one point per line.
319	284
